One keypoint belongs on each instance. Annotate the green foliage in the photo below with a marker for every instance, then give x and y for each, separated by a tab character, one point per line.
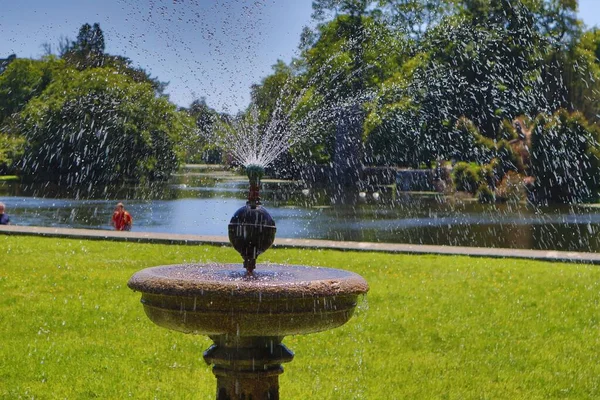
565	158
393	136
508	160
468	75
582	75
88	50
124	65
197	146
280	101
437	80
393	139
467	144
87	124
415	16
12	148
485	195
4	62
96	125
481	65
488	173
462	75
507	131
354	8
22	80
352	55
277	90
467	177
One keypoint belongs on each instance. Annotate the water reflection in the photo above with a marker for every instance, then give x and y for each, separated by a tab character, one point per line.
203	204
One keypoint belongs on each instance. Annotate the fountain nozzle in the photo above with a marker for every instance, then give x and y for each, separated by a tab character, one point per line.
255	173
252	229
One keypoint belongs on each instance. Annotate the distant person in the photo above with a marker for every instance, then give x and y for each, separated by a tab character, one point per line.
121	219
4	220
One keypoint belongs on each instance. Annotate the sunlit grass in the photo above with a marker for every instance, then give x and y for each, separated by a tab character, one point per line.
433	327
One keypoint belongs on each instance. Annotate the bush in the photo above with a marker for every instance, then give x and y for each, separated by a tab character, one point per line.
11	151
467	144
511	188
508	159
565	158
467	177
395	140
97	126
485	194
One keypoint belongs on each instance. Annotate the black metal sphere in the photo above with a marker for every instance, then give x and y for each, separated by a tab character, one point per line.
251	231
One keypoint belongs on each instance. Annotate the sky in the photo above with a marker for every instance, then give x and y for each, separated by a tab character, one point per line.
214	49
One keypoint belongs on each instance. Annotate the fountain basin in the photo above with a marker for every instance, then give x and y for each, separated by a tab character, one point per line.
222	300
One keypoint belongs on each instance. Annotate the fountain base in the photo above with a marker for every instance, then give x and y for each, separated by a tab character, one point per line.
248	367
247	316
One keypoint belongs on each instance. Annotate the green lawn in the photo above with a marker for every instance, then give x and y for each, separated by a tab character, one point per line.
432	327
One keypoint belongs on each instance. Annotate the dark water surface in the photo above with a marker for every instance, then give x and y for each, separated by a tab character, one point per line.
202	204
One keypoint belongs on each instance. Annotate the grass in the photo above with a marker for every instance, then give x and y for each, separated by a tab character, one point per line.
432	327
9	178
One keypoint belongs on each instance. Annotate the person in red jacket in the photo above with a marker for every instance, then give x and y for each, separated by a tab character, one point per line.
121	219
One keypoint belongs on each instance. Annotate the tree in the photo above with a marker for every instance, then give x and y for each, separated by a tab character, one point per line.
581	75
415	17
490	64
11	151
63	46
557	20
354	8
344	41
485	69
276	90
98	126
349	58
87	51
124	65
198	147
22	80
565	158
5	62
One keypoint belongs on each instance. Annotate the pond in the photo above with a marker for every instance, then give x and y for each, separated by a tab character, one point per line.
202	203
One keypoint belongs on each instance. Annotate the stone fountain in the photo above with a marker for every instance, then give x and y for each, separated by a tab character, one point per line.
248	309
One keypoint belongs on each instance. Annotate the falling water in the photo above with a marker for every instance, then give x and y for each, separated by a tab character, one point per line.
251	142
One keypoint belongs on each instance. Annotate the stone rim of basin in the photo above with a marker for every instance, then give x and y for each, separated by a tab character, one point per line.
277	300
270	280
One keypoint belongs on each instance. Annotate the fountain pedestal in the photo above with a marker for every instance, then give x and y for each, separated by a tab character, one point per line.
249	367
248	315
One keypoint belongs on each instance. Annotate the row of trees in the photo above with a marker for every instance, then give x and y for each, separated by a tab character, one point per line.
83	116
511	86
447	80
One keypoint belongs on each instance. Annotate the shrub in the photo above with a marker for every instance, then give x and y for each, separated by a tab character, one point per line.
99	126
565	158
11	151
511	188
467	144
467	177
485	194
508	159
